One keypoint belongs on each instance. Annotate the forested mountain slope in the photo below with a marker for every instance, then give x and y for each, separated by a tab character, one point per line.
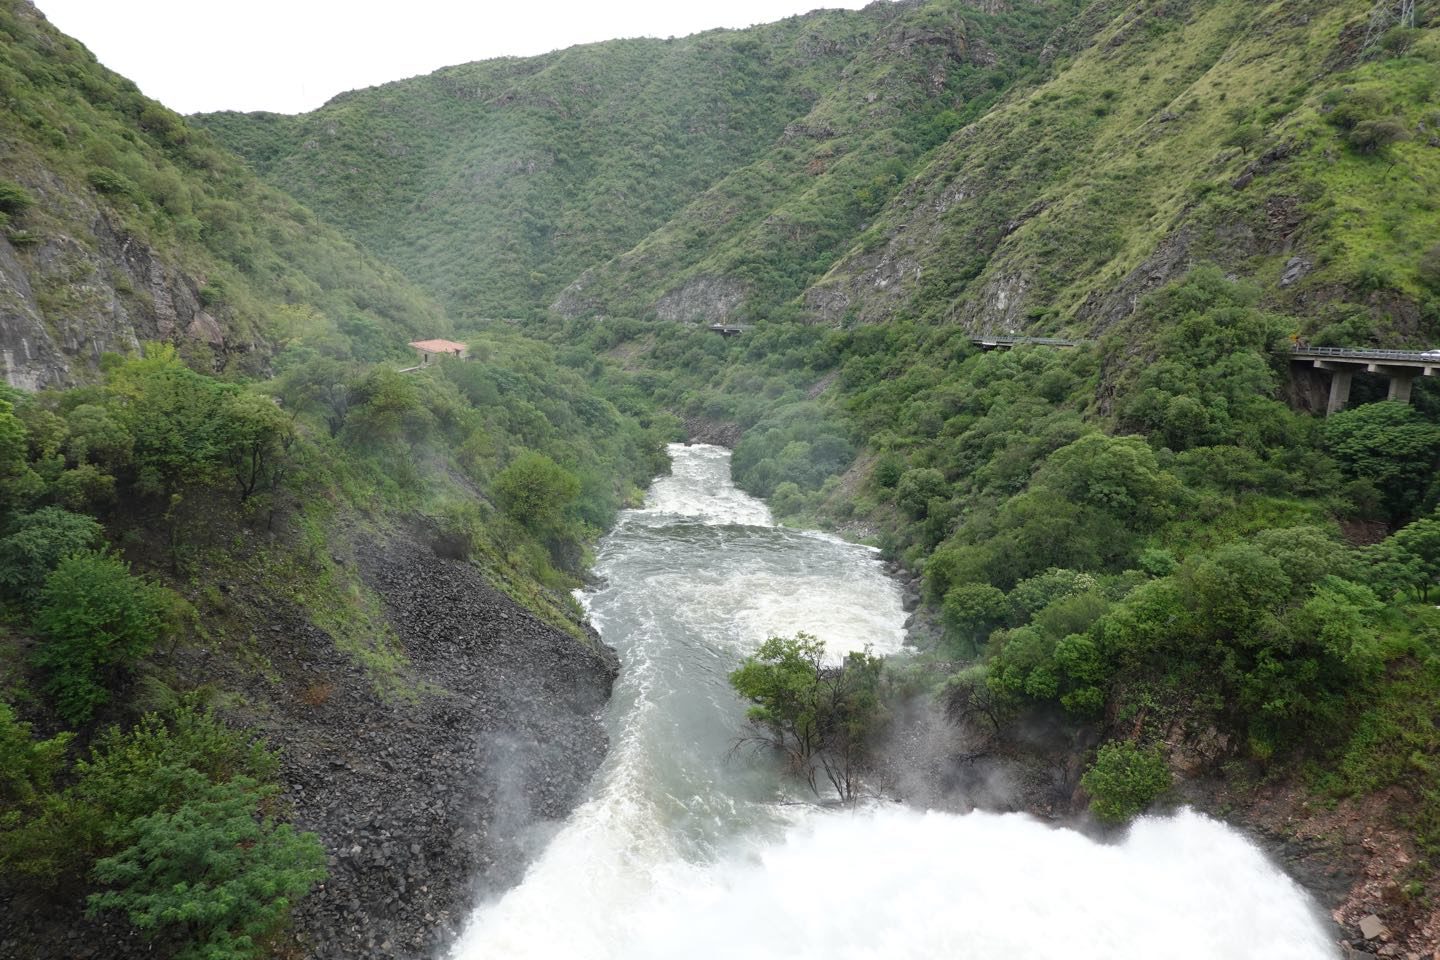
1025	166
755	154
122	224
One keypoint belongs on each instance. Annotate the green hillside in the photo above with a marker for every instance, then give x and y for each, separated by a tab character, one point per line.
1245	134
1149	543
1025	166
497	184
123	223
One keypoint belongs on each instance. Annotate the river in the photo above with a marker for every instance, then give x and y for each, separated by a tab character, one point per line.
686	849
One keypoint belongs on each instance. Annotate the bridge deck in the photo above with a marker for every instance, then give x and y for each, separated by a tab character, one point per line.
1426	360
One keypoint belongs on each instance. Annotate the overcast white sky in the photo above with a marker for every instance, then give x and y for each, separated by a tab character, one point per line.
293	55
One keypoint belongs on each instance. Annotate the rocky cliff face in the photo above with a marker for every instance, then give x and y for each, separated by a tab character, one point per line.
122	223
92	288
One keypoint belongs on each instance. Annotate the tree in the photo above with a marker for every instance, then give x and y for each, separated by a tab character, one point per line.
971	611
36	544
95	436
1125	779
322	384
1118	475
254	437
1245	136
819	717
916	488
95	621
1388	444
537	492
214	868
172	413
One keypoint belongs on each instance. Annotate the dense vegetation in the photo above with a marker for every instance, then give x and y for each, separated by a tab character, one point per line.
755	156
1150	536
509	459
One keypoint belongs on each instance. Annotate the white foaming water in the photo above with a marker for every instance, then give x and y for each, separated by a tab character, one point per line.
687	850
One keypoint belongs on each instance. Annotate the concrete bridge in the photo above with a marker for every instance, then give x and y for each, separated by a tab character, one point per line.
728	329
1342	363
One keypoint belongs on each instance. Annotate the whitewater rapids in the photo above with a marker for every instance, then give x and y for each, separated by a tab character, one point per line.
686	849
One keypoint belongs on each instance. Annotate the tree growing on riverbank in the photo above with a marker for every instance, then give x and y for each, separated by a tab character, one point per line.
820	717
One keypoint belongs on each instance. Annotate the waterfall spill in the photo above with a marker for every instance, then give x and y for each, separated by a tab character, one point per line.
685	849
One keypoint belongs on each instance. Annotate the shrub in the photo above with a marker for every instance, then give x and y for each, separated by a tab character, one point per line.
113	184
1125	779
96	620
37	543
14	199
27	767
918	487
537	492
215	868
1371	136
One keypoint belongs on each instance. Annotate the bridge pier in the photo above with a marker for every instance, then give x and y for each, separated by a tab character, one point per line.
1401	379
1341	376
1342	372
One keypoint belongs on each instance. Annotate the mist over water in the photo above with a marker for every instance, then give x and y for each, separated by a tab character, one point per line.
686	850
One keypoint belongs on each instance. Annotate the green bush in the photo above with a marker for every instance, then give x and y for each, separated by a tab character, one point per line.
27	767
36	544
214	868
114	184
918	487
14	199
537	492
95	621
52	837
1372	136
1125	779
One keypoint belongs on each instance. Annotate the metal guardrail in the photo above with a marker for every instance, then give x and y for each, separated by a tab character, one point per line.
1339	353
1348	353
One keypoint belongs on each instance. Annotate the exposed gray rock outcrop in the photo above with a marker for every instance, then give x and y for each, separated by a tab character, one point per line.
701	300
81	292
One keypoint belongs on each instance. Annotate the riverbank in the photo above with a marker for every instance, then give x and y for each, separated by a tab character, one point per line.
426	805
427	792
1362	868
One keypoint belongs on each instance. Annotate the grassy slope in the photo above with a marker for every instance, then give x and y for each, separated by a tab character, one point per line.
760	152
496	183
1047	205
85	143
